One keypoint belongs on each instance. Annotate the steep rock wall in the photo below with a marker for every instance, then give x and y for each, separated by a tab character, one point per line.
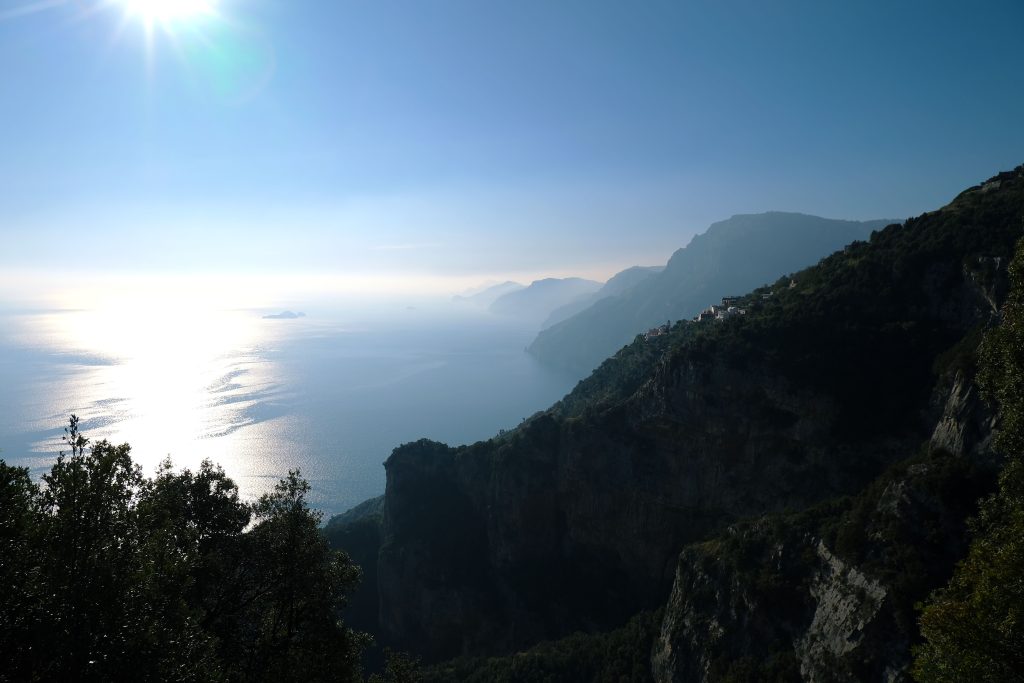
575	519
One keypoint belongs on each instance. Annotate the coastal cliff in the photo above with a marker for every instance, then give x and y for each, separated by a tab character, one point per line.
843	399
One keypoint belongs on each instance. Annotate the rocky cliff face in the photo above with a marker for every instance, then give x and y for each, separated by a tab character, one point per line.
828	595
965	427
823	596
495	547
575	520
847	604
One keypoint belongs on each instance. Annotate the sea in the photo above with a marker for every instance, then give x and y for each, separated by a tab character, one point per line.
330	393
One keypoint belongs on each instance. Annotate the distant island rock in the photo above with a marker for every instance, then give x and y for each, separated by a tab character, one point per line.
285	315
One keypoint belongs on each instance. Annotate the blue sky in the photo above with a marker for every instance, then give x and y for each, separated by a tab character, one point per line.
476	138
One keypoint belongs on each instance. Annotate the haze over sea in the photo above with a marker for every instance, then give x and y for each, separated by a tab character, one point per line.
331	393
174	169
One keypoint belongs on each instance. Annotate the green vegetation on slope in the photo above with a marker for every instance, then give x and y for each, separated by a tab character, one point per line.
745	602
733	256
882	309
620	656
357	534
834	374
975	626
107	575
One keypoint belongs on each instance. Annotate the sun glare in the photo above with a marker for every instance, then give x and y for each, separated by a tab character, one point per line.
167	11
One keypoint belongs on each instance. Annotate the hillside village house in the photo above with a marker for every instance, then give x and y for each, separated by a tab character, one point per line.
728	309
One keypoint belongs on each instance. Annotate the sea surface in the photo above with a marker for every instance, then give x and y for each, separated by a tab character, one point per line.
330	394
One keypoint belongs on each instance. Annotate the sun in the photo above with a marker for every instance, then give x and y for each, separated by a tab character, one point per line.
168	11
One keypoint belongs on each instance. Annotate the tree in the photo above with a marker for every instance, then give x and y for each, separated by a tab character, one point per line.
399	667
89	544
191	524
974	627
293	587
106	575
17	558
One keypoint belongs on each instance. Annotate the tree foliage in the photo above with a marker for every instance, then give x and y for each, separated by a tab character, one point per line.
399	667
107	575
619	656
974	627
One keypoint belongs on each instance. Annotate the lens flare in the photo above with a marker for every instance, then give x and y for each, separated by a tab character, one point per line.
168	11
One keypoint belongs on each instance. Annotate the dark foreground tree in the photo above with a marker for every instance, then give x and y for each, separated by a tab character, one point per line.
399	667
974	627
106	575
297	589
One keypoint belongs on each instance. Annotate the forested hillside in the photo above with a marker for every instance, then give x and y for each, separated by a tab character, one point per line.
730	258
825	487
843	405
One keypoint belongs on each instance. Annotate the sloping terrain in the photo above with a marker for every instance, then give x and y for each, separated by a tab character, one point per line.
732	257
830	386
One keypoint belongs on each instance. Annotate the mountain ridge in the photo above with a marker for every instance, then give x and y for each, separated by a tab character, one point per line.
537	300
730	257
487	295
837	374
617	284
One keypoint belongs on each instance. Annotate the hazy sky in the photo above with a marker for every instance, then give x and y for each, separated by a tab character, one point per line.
475	138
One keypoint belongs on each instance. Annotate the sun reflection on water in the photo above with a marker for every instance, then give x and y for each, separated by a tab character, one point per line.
193	371
181	381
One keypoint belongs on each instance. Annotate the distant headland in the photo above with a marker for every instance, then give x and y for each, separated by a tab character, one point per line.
285	315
